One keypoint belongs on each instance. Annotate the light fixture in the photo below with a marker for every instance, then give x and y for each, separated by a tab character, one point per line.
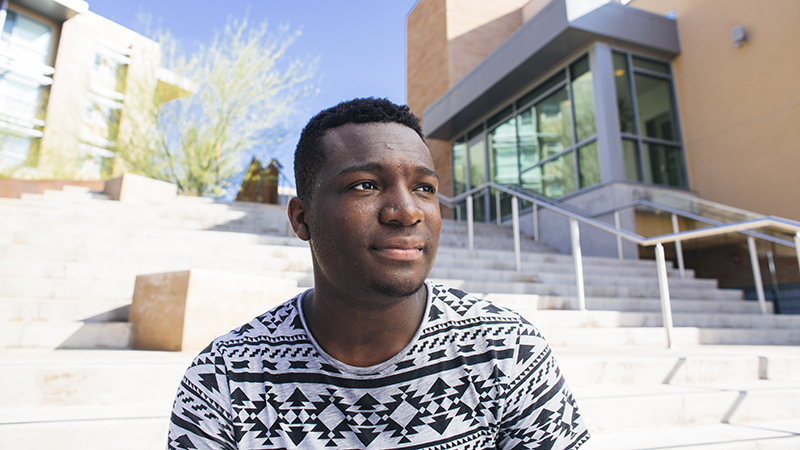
739	35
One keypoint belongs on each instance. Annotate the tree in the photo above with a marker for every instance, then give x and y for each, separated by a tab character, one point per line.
237	95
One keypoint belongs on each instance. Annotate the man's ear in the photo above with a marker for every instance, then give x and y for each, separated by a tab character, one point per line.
297	217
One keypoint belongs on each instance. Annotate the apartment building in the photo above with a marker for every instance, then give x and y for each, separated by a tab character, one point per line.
69	82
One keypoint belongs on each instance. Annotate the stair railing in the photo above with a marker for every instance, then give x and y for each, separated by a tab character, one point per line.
577	216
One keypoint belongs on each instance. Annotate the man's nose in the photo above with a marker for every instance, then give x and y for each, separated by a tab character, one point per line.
401	208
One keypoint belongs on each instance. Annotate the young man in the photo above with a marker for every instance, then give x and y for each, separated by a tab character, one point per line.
374	356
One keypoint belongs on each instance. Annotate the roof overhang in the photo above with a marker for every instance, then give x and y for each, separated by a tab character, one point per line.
559	29
56	10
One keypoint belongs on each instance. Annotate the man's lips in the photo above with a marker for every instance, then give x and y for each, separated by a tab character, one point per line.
406	249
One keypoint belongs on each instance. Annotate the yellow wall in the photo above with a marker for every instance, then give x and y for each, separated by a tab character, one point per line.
740	107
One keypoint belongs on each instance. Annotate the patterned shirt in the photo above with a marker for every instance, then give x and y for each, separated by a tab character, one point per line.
475	376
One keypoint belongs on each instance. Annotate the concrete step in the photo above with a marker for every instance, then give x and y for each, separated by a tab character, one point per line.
511	287
545	258
121	428
75	194
652	336
771	435
65	288
23	309
609	268
688	364
566	278
100	270
66	335
153	255
612	319
614	408
69	378
526	302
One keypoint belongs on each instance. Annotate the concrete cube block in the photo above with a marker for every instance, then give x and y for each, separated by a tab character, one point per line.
185	311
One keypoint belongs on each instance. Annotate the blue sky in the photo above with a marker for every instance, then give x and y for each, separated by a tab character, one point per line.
360	43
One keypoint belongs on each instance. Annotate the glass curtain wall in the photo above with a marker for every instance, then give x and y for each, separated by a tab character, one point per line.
651	139
26	42
545	142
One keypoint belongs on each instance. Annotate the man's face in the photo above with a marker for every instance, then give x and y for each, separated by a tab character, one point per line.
373	221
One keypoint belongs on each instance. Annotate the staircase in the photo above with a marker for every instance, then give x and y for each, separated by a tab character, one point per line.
68	261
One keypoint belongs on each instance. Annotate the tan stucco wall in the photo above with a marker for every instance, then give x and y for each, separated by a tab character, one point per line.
739	107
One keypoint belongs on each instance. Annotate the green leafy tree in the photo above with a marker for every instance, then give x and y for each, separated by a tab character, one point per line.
236	97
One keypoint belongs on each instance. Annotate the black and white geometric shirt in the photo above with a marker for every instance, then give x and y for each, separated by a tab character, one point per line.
475	376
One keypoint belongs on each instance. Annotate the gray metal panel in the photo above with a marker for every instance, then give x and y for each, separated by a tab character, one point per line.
533	50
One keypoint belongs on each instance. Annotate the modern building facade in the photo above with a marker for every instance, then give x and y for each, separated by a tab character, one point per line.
69	80
593	102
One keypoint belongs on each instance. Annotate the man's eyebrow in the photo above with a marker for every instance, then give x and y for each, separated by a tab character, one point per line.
376	167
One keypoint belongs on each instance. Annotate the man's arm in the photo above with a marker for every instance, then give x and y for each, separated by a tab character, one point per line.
540	408
201	415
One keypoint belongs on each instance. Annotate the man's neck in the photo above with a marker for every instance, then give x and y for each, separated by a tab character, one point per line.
364	333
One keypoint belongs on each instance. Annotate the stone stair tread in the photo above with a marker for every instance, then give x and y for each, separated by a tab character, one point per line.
84	412
763	435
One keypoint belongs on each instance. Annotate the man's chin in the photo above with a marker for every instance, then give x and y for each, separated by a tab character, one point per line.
397	290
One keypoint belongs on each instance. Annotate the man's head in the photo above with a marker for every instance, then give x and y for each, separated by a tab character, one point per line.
370	211
310	155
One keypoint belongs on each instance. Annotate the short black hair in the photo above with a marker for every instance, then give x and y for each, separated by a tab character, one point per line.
309	156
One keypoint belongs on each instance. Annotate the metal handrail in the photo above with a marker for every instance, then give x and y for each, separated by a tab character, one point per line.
575	215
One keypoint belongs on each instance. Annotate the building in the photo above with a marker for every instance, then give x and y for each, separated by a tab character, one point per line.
596	103
70	82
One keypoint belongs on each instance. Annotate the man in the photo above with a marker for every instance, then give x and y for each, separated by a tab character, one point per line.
374	356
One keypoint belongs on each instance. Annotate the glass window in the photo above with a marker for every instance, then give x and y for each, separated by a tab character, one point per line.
558	176
545	129
477	163
663	165
29	39
588	165
624	99
459	167
526	135
14	150
475	132
497	118
503	163
630	154
541	89
19	97
656	113
582	99
653	66
531	180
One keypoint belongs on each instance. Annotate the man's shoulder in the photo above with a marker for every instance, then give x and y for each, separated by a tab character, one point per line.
451	303
281	323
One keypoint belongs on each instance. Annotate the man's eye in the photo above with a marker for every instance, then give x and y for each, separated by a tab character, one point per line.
427	189
365	186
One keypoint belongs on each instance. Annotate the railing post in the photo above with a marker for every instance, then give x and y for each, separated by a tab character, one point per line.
576	253
678	247
515	225
470	225
535	211
797	247
618	225
497	206
762	302
663	289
